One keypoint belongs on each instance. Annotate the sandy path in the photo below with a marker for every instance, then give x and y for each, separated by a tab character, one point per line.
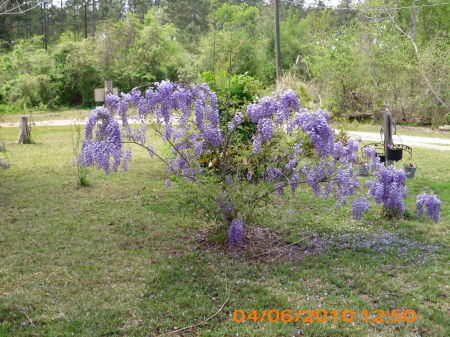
425	142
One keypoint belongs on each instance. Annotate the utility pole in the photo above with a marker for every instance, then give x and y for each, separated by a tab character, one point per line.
61	9
277	40
93	18
45	25
85	19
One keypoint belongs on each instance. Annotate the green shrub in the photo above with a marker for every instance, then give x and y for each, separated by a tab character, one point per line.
31	91
6	109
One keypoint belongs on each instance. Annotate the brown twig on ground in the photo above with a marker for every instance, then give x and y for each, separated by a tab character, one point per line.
206	320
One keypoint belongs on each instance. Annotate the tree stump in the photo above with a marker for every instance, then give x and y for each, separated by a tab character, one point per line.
24	131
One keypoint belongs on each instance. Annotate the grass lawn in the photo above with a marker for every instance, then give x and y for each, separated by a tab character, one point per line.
115	259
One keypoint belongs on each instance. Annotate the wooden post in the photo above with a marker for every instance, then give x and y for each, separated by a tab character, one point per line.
101	93
24	131
387	126
108	88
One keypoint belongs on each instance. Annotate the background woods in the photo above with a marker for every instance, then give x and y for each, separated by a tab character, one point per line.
360	60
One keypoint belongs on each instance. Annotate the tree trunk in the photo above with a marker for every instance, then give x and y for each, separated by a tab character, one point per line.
24	131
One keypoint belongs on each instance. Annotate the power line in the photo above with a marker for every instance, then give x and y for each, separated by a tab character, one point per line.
366	8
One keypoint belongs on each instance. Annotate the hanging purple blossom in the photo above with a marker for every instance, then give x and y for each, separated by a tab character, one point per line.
265	128
432	205
111	102
265	108
213	136
106	145
388	188
126	158
198	149
372	158
273	173
279	189
257	144
291	165
298	148
237	119
359	206
236	233
288	103
346	183
314	174
294	182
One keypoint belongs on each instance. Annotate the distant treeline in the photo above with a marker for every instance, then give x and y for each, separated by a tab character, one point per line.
349	61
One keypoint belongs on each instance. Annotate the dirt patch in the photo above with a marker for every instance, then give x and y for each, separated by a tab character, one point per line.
264	245
260	244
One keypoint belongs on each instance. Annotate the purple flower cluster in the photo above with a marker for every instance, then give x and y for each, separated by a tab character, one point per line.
273	174
314	174
316	126
237	119
432	205
359	206
236	233
105	145
4	164
265	129
333	167
389	188
266	110
257	143
167	103
288	102
346	183
372	158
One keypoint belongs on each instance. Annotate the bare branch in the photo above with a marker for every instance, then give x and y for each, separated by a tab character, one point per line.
419	61
13	7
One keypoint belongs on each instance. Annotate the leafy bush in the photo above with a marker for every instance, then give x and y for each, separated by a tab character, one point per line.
76	73
187	118
30	91
9	109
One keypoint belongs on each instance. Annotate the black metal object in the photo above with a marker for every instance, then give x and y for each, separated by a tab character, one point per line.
395	153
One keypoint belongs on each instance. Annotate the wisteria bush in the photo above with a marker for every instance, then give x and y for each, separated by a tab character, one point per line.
290	147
